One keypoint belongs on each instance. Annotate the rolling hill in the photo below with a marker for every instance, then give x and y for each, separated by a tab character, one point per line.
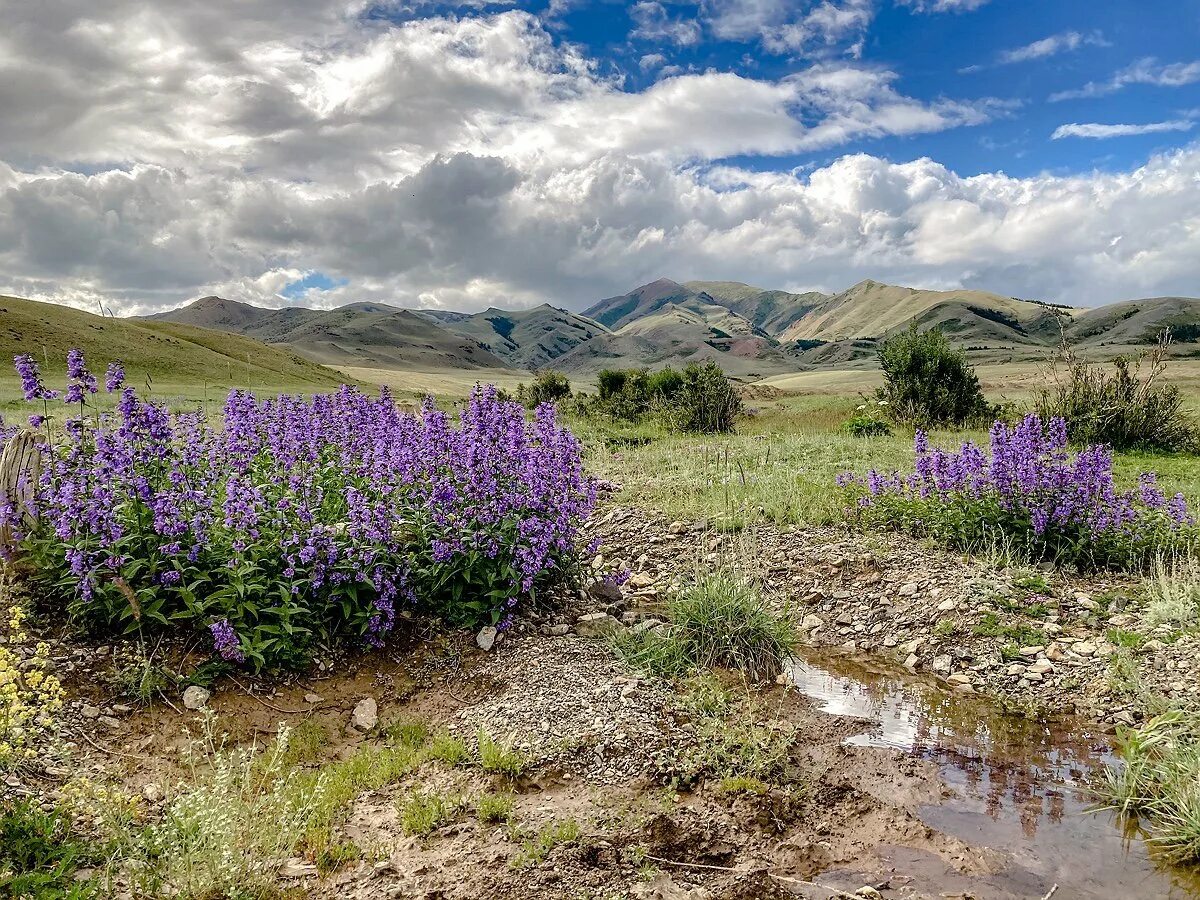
751	332
369	335
524	338
168	352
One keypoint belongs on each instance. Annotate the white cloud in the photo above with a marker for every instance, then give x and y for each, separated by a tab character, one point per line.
1144	71
478	161
653	22
1051	46
938	6
783	26
1094	130
652	61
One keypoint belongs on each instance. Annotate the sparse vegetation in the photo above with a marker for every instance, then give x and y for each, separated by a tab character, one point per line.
547	386
535	850
422	812
498	758
719	621
1173	591
40	854
494	808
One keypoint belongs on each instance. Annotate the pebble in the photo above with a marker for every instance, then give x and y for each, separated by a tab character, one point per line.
486	638
597	625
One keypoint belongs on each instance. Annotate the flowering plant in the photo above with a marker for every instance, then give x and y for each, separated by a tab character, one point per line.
1031	491
296	519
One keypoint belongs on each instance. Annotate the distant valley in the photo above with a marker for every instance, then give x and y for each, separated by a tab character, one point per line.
751	332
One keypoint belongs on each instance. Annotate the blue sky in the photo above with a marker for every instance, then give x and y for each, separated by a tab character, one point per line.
960	55
479	154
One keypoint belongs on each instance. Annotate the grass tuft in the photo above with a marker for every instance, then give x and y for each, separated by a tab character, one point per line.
423	813
1173	589
535	850
498	758
720	621
493	808
1160	783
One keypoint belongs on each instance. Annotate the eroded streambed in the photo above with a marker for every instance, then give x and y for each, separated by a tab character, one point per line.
1019	786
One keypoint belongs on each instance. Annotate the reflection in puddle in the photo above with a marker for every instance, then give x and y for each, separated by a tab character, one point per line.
1018	781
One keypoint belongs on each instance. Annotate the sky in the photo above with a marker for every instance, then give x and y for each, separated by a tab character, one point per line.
461	156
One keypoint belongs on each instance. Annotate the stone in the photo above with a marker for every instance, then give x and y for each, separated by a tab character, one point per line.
1032	652
605	591
911	662
867	892
811	622
676	528
947	606
365	715
486	639
196	697
908	590
558	630
959	678
152	792
597	625
90	712
647	625
313	698
641	580
941	665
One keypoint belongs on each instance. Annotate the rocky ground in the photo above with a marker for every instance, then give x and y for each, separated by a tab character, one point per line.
1039	640
616	754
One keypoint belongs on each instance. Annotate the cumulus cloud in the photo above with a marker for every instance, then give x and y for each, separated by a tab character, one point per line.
1094	130
1144	71
181	150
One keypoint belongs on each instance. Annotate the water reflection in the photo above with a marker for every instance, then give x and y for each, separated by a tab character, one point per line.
1015	778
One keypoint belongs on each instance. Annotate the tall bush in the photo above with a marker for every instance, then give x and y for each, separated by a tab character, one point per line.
707	402
548	387
293	520
1127	406
927	383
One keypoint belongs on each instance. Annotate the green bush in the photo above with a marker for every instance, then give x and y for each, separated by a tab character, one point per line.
869	420
548	387
927	383
664	384
39	855
707	402
611	382
1121	406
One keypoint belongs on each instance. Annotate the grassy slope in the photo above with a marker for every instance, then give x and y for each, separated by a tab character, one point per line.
180	361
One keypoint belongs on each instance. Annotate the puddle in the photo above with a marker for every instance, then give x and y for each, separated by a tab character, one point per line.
1018	784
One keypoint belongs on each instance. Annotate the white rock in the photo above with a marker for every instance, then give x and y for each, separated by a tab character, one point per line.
196	697
486	638
908	590
365	715
811	622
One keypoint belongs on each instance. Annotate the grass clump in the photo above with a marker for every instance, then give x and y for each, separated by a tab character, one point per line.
1173	592
39	855
423	813
720	621
535	850
1160	783
493	808
498	758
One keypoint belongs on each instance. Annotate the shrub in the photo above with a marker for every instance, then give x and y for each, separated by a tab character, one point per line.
927	383
664	384
1173	591
706	402
721	620
869	420
1046	502
1123	406
295	520
610	383
547	387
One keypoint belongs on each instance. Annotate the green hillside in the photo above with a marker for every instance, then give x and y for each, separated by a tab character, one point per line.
180	358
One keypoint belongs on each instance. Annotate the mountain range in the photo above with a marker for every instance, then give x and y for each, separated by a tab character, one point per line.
751	332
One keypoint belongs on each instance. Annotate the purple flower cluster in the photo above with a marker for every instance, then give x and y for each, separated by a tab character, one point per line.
1030	487
226	643
298	518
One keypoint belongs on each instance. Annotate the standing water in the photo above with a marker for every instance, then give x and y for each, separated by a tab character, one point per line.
1018	784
